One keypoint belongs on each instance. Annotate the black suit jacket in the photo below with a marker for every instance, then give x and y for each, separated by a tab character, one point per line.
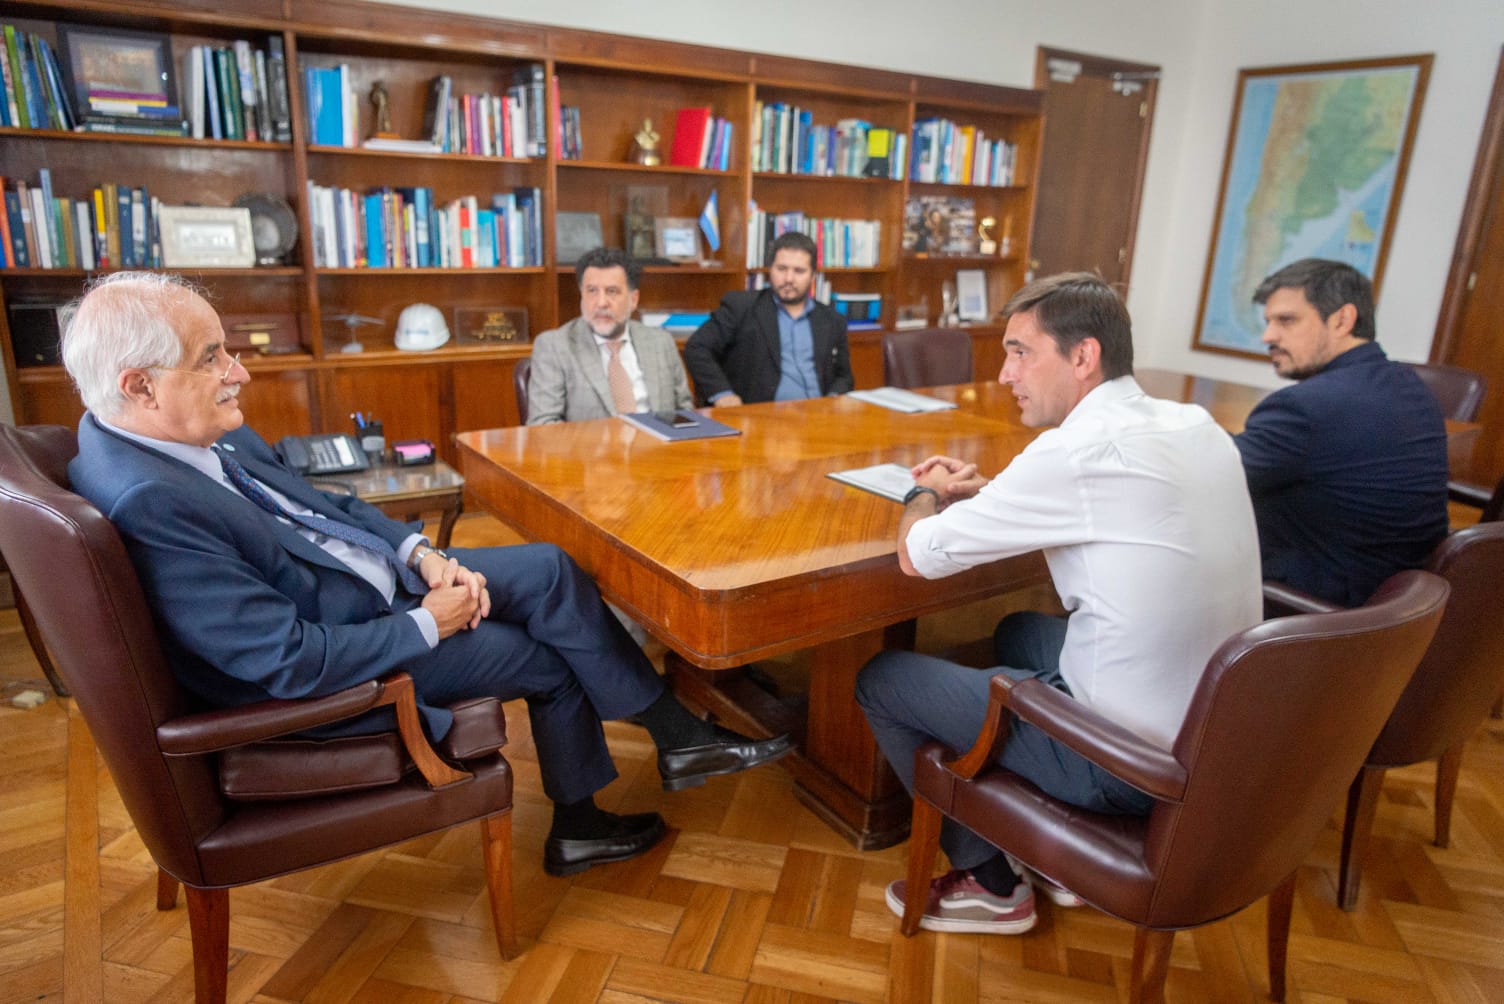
738	349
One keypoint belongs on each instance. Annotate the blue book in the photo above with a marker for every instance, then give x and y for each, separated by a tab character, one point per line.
676	426
421	199
17	229
485	230
123	225
326	122
375	231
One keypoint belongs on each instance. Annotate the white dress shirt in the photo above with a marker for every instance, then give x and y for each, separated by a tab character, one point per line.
1141	508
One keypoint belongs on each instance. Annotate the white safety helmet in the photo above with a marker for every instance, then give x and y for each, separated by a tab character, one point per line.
421	327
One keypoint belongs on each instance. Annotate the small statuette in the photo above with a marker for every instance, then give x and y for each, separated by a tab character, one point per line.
645	146
383	112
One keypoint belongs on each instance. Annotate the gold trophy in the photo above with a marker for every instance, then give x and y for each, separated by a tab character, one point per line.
987	245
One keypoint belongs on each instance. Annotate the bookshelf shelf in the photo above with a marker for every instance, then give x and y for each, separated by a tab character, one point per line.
610	84
373	272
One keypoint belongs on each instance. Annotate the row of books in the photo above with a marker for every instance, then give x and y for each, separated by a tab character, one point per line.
512	124
701	139
951	154
114	226
237	92
405	228
840	243
787	140
35	97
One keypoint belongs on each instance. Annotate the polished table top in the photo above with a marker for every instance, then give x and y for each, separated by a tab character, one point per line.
722	546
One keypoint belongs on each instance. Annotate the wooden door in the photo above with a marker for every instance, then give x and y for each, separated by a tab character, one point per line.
1096	143
1470	330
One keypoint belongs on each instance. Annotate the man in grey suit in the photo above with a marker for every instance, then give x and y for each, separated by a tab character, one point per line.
603	363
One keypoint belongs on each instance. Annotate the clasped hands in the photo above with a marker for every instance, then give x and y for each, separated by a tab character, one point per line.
951	479
457	596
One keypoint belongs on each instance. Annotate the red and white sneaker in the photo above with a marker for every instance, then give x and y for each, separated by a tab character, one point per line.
959	903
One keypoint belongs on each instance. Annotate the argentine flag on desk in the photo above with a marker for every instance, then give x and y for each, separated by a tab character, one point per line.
710	222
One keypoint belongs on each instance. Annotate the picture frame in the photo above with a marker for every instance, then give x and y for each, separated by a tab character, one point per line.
490	326
676	238
1314	168
207	237
971	294
576	233
130	67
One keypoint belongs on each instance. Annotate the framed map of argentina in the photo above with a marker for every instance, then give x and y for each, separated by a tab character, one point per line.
1315	164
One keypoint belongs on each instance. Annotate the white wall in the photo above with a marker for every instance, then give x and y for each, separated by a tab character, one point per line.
1199	44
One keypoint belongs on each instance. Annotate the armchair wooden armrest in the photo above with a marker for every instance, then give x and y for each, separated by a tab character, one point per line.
1281	600
1066	720
213	731
1468	493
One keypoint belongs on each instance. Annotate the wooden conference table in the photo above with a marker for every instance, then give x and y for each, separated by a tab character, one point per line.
738	549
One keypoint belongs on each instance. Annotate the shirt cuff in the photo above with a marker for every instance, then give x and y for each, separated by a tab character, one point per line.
427	625
716	397
405	549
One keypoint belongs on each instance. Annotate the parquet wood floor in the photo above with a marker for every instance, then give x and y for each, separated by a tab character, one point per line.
750	899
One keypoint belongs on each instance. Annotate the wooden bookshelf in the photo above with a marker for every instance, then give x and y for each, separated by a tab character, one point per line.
616	82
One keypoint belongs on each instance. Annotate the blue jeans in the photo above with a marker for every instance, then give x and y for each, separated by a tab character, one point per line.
910	699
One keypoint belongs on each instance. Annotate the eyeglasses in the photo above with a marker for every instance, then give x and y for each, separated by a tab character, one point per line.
223	377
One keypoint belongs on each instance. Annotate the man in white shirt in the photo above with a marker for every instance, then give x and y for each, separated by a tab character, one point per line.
1145	523
604	363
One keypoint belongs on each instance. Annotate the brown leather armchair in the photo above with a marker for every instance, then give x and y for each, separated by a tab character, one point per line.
1459	391
520	374
1275	731
928	357
219	799
1446	699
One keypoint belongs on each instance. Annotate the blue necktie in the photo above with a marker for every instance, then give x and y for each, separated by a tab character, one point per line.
251	489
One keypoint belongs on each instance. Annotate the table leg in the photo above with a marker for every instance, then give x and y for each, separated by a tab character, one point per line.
447	521
838	770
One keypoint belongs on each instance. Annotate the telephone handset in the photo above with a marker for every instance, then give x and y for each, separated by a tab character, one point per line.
329	453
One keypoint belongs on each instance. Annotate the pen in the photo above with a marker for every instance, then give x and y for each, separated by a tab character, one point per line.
358	419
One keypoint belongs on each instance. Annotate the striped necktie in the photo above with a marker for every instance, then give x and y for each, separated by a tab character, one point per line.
251	489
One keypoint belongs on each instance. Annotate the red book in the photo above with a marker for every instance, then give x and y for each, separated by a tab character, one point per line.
689	137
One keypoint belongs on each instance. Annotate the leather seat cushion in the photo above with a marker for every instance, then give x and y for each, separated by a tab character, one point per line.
305	768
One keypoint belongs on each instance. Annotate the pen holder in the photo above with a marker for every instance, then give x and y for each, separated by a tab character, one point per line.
373	440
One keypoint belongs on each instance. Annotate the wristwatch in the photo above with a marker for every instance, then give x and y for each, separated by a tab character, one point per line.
421	551
919	490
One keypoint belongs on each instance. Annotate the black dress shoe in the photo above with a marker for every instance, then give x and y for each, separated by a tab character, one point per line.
728	753
628	837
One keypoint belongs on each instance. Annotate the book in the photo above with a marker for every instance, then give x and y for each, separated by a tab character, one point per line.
690	136
400	145
898	399
325	119
276	87
891	481
676	426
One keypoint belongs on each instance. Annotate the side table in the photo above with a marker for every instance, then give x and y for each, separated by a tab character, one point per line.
407	492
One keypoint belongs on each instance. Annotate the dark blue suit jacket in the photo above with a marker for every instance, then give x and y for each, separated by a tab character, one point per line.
738	349
248	608
1348	474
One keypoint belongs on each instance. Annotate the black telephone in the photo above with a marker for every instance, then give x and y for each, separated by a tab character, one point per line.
329	453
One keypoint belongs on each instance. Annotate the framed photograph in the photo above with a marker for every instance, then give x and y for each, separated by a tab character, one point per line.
575	234
971	294
940	225
107	69
677	238
1315	164
207	237
490	325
